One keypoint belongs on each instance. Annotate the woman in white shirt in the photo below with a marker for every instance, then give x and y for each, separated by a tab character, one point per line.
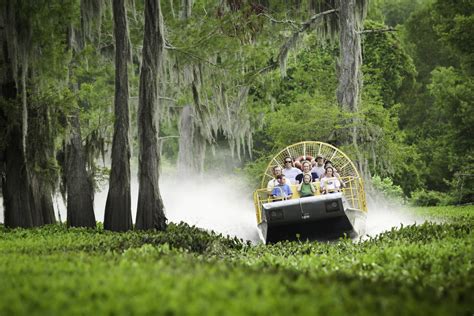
329	182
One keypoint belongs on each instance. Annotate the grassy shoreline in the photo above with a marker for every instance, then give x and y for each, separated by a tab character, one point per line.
421	269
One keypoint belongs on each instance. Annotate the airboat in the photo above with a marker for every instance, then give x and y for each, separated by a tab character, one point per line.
318	217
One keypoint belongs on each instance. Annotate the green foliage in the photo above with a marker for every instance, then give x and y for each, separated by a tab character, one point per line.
453	95
411	270
427	198
454	22
447	213
438	118
394	12
177	236
254	170
387	64
387	188
429	52
300	106
414	119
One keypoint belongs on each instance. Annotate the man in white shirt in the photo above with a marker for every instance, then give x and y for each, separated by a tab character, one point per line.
273	182
290	171
319	166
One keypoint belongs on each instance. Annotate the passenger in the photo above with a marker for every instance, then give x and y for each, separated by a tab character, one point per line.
329	182
273	182
306	188
282	190
290	172
336	174
318	168
306	170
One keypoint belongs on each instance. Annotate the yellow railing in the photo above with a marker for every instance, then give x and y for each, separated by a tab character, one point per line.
353	192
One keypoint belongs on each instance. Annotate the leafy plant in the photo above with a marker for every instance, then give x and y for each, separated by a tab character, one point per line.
414	269
427	198
387	188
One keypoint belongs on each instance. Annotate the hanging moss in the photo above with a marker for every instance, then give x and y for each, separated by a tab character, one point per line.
91	18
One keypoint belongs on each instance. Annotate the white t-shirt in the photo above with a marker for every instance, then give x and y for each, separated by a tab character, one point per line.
330	184
318	170
291	173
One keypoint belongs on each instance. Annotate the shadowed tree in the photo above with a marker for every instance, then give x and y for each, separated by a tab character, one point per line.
79	186
150	209
351	15
350	59
118	216
13	61
80	193
40	150
28	40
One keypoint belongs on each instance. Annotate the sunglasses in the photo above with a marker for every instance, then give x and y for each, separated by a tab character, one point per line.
287	161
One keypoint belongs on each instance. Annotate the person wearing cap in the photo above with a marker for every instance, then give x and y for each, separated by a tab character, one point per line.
290	171
319	166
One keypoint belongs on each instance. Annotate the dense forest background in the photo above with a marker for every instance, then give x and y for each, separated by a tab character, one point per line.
251	76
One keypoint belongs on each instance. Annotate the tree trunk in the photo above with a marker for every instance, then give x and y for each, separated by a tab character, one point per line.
40	150
350	60
186	7
16	193
41	200
79	187
350	78
80	193
15	184
150	210
118	214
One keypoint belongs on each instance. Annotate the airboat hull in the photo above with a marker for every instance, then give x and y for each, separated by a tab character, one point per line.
323	217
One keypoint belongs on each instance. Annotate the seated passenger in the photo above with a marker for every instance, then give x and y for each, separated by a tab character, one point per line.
336	174
281	190
329	182
318	168
306	170
306	188
273	182
290	172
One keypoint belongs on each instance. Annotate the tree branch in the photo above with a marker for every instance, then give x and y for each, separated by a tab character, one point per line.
159	97
166	98
285	48
166	137
390	29
170	47
286	21
315	17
